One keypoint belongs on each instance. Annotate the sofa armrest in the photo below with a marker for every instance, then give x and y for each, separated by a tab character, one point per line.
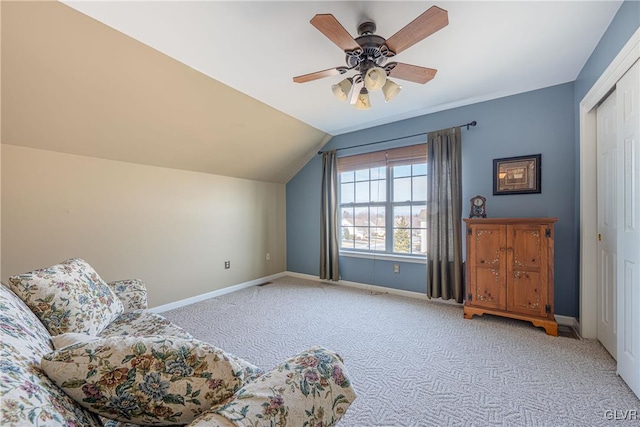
132	293
311	388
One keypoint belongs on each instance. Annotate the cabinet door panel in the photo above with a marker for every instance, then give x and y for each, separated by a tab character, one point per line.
527	248
487	253
489	289
525	243
525	292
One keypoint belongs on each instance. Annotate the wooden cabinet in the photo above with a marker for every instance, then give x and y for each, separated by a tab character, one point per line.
509	269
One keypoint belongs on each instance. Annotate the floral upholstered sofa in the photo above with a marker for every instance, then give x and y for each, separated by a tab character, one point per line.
76	351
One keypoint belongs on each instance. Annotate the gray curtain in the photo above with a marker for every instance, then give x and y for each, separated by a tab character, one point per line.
329	226
444	215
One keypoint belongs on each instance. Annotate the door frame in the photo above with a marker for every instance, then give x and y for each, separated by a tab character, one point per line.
628	55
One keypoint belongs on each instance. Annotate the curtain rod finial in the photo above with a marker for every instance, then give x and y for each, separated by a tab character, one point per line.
319	152
473	123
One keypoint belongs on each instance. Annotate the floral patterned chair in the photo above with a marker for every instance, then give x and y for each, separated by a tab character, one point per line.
76	351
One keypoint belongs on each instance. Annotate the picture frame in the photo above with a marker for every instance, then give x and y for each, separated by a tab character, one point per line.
517	175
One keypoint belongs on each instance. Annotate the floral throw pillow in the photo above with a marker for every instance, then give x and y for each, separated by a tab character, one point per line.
145	380
309	389
68	297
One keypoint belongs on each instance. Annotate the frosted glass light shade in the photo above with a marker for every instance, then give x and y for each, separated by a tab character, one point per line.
390	90
341	90
363	100
375	79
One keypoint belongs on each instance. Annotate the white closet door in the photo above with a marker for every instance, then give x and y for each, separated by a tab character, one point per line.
628	266
607	156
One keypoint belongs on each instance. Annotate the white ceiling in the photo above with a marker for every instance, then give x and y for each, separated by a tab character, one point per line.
490	49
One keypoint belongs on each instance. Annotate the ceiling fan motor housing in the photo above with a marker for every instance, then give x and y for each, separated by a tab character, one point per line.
367	27
374	52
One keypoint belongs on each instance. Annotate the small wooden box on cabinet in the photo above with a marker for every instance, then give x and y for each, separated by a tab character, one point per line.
510	269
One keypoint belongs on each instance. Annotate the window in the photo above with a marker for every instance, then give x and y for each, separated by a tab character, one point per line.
383	201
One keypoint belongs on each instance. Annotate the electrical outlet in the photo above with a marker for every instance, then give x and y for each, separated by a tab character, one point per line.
268	256
396	268
227	264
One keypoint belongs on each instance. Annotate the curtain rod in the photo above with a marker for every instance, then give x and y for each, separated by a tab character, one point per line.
473	123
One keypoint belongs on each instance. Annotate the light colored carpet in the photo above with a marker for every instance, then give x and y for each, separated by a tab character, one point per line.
416	362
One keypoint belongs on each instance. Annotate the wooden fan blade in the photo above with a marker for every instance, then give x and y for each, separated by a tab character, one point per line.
317	75
328	25
412	73
423	26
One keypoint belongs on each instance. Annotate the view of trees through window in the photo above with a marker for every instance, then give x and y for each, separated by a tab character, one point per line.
383	209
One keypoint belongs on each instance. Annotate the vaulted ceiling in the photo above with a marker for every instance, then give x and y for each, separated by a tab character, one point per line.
207	86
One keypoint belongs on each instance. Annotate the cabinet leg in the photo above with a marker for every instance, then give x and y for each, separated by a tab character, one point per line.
469	312
550	326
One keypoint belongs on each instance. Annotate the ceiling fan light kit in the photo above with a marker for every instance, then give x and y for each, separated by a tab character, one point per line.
375	78
367	55
342	89
390	90
363	103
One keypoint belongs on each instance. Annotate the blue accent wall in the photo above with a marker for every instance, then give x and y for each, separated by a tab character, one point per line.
538	122
543	122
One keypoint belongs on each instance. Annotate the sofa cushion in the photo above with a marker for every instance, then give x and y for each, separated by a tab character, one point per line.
309	389
27	395
68	297
71	338
145	380
142	323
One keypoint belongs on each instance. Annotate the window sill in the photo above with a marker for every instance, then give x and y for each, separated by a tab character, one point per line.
385	257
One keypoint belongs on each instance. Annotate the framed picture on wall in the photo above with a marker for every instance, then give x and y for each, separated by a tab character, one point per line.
516	175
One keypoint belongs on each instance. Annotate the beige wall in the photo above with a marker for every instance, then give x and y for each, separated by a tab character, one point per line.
73	85
174	229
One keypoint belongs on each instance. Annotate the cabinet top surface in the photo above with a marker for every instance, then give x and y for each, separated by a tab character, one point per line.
510	220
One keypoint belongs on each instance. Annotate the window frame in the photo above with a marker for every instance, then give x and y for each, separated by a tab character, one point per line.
408	155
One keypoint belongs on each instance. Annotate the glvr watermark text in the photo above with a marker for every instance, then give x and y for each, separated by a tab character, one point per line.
621	415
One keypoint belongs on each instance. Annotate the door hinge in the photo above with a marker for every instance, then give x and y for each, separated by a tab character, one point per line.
469	232
547	308
547	232
469	297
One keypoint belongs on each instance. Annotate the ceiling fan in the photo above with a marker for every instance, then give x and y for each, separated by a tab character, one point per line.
368	54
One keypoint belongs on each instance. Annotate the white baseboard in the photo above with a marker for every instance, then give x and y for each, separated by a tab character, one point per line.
212	294
373	288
